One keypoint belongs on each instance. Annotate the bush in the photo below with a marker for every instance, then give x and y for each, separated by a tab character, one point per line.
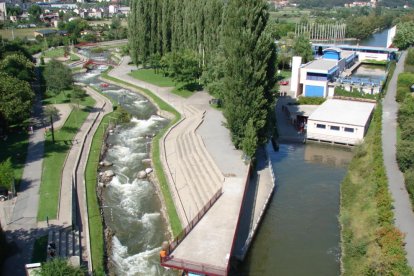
406	111
405	155
405	80
407	129
409	182
410	57
339	91
311	100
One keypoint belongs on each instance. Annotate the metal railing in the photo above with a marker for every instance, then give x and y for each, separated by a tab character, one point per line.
194	266
180	237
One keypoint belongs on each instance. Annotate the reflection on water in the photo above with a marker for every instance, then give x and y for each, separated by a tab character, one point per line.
300	232
376	72
328	155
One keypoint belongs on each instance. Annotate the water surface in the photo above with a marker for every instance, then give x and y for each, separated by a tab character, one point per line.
300	231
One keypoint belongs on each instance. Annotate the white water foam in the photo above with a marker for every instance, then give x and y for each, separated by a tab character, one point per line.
144	263
128	192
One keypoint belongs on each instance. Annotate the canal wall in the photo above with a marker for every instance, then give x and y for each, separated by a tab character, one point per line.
259	192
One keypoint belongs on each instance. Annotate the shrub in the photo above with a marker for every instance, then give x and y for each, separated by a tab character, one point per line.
311	100
405	155
409	182
405	80
407	129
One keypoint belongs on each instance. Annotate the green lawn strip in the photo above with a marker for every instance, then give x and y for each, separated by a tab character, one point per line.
54	53
64	97
74	57
54	159
156	158
149	75
371	244
182	92
15	146
39	254
96	234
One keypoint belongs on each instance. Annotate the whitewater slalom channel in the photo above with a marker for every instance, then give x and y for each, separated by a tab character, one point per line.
132	207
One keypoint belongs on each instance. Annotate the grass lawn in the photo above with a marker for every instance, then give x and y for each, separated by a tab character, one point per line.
95	222
284	74
74	57
156	158
180	89
54	159
148	75
62	97
21	33
15	146
39	254
54	53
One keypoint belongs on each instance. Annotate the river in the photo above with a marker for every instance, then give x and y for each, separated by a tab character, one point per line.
132	207
299	234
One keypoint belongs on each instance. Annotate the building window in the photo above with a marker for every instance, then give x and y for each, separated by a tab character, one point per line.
335	128
349	129
320	126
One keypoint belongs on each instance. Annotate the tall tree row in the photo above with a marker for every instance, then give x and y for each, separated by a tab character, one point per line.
235	52
249	73
159	26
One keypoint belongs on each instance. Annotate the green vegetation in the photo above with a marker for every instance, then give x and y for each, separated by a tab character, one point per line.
371	244
20	33
58	77
409	61
373	61
60	267
15	146
39	254
74	57
311	100
55	155
96	233
180	88
54	53
404	37
7	174
149	75
405	145
339	91
155	154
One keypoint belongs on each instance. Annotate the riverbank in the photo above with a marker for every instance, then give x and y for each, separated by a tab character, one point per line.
371	244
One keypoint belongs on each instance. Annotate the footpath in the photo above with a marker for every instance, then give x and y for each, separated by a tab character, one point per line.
23	228
404	216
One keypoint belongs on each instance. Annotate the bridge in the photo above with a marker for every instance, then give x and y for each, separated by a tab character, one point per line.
97	62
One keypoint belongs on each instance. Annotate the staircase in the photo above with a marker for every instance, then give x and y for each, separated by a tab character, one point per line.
67	244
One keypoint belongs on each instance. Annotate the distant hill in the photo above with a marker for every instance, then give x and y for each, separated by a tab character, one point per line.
335	3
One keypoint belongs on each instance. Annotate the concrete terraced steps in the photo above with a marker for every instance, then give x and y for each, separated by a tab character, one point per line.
198	171
67	243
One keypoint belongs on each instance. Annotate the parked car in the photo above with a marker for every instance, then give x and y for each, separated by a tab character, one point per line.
4	194
284	82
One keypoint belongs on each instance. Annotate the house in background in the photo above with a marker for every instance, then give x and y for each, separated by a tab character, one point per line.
340	121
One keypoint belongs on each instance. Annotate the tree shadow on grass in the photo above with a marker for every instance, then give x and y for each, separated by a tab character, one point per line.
192	87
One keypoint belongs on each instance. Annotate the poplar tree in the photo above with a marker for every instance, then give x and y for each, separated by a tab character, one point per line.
249	70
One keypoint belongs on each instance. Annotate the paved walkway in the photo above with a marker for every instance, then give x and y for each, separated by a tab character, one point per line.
404	216
22	228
